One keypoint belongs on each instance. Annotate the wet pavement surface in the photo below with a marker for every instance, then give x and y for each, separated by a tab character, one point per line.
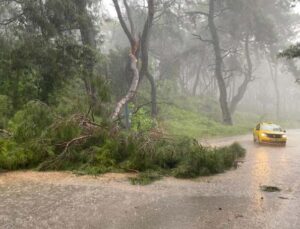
230	200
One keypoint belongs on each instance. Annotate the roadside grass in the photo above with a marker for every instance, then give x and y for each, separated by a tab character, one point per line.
181	121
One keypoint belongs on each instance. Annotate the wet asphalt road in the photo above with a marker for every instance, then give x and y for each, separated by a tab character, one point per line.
229	200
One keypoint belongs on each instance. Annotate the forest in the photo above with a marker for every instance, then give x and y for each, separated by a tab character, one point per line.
97	86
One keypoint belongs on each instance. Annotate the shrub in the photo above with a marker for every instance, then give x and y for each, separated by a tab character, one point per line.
5	110
63	130
206	161
13	156
31	121
141	120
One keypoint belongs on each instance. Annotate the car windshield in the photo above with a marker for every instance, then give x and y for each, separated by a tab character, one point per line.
271	128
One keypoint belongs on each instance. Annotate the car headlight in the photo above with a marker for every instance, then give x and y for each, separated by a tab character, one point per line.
263	135
284	136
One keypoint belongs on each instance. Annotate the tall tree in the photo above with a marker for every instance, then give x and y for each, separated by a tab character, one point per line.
136	44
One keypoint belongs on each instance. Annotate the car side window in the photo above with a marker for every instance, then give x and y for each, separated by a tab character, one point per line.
258	127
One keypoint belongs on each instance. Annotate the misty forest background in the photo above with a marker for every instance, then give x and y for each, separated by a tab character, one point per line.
123	85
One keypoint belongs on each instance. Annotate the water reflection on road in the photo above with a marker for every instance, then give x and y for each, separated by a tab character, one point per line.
260	174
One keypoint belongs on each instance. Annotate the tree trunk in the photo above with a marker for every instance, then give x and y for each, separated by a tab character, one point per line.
145	56
154	110
135	46
277	92
248	77
88	37
218	65
197	80
274	76
132	89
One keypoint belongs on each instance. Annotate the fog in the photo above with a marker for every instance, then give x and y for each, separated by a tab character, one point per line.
179	35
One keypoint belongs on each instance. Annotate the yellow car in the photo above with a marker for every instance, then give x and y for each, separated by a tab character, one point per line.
269	133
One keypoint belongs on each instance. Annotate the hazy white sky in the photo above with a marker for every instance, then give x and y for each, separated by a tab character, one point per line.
108	4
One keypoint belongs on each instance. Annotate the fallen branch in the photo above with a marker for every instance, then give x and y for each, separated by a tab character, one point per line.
132	170
58	159
5	132
68	144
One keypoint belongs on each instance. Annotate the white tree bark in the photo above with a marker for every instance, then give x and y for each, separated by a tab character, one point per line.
133	87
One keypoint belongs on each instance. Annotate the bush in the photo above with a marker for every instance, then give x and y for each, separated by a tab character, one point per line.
5	110
30	122
206	161
141	121
63	130
14	155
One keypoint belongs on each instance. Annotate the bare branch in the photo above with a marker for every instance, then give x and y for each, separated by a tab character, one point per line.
6	22
197	12
221	11
123	24
230	51
129	15
5	132
201	39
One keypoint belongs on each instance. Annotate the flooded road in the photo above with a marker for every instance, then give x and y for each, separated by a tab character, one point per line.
230	200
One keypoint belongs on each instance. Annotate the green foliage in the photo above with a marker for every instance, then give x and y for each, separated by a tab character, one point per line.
40	140
292	52
141	120
14	155
119	82
31	121
5	111
63	130
27	148
182	157
71	99
206	161
194	124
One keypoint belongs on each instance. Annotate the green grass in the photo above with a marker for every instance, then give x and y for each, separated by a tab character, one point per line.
178	121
